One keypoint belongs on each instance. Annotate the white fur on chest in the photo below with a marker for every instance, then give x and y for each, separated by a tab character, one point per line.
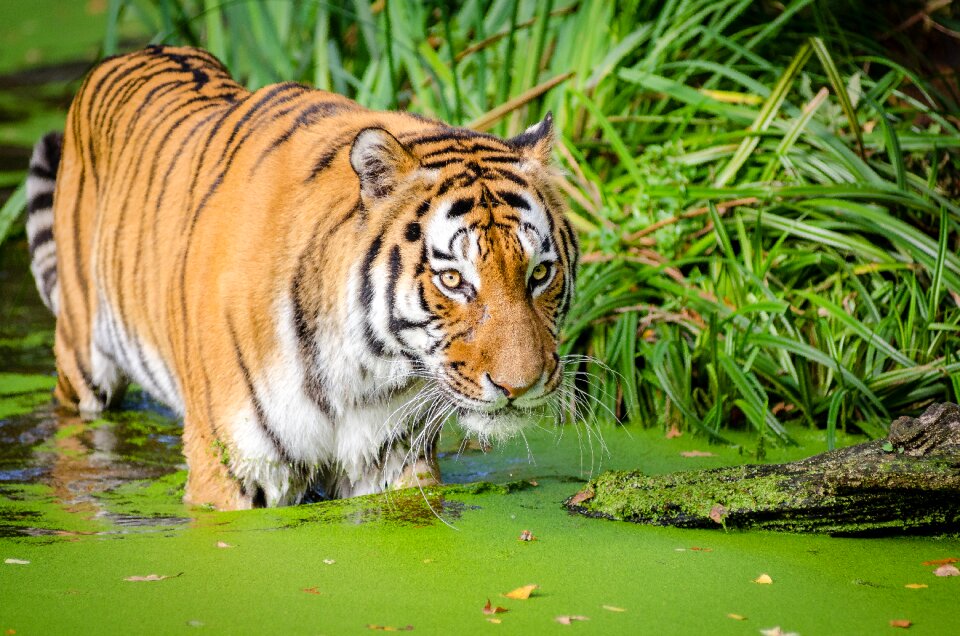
364	399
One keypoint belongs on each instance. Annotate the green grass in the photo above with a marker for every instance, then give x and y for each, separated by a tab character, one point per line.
766	200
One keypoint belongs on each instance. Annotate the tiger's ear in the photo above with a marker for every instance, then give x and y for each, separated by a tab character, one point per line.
536	142
380	161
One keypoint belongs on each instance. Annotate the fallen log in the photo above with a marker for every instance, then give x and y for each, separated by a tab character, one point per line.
906	484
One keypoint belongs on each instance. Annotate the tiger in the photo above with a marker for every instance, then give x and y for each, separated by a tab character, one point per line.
312	286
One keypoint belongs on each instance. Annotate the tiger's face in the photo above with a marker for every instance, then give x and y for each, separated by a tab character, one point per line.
476	269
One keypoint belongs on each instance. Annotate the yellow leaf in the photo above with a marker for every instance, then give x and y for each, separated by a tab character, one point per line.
737	617
763	579
613	608
915	586
521	593
495	621
732	97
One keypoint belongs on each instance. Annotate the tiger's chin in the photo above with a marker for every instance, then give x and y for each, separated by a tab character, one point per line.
495	426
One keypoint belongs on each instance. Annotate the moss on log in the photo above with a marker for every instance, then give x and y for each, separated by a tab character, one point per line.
908	483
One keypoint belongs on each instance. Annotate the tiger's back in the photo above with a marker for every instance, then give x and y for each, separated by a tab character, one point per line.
213	246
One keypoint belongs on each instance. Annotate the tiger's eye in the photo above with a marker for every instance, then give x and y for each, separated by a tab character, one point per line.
540	272
450	279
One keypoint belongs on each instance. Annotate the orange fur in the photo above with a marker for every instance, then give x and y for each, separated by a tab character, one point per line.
189	213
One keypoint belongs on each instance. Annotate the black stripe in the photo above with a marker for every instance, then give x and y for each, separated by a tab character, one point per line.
306	330
255	399
367	293
43	236
460	207
42	201
511	176
398	323
514	200
306	117
324	161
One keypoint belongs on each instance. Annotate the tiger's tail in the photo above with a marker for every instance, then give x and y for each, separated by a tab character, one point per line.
43	249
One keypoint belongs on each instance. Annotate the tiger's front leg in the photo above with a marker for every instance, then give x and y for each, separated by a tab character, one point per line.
209	480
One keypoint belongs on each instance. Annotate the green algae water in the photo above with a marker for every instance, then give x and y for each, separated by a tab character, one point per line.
87	506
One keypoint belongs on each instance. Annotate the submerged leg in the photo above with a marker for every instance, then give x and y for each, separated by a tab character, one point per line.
210	482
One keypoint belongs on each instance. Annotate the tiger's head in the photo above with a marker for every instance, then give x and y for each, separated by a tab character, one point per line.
470	266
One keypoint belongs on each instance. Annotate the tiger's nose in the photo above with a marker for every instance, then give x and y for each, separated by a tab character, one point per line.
513	390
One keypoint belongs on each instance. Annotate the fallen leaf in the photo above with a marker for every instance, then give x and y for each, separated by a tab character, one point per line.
533	482
526	535
195	623
613	608
428	560
776	631
222	544
150	577
696	453
312	590
329	561
580	497
388	628
915	586
947	570
946	561
696	549
566	620
492	609
521	593
16	562
10	632
900	622
737	617
495	621
674	432
763	579
717	513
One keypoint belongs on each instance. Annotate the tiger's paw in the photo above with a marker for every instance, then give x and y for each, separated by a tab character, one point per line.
420	474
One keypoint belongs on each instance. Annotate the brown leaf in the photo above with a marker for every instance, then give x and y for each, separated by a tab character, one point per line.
223	544
947	570
491	609
388	628
737	617
946	561
566	620
900	622
763	579
521	593
312	590
674	432
613	608
696	453
149	577
718	513
580	497
698	549
526	535
915	586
